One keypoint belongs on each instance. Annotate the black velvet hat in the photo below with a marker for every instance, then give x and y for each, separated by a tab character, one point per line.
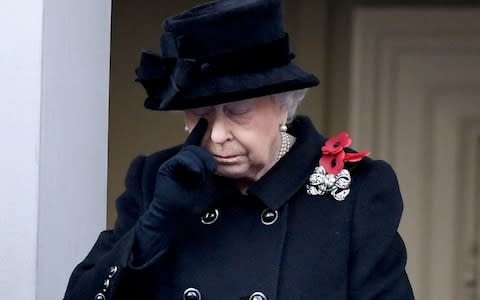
220	52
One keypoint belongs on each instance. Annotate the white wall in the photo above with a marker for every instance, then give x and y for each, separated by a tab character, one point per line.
54	60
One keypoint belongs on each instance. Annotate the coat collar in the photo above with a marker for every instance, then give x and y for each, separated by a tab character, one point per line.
290	173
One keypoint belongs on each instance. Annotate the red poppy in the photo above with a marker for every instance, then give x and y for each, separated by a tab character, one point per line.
354	157
334	157
337	143
333	163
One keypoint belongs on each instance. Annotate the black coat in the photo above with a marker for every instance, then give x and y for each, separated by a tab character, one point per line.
318	248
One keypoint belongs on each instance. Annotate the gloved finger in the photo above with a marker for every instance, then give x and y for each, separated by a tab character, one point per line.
195	137
182	166
205	157
188	169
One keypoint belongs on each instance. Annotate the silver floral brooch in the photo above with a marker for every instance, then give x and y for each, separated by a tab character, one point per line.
331	176
337	185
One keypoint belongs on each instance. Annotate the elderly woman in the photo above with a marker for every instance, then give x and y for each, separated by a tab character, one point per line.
256	204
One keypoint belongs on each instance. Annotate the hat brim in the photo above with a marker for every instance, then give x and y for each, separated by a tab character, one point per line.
215	90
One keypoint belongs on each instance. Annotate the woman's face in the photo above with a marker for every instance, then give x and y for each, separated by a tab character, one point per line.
242	136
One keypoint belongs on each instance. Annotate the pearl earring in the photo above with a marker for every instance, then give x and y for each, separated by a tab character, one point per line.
283	128
186	129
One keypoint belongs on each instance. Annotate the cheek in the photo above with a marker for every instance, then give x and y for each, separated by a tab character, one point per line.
260	142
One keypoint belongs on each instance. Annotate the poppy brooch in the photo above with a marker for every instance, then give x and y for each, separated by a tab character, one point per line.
331	176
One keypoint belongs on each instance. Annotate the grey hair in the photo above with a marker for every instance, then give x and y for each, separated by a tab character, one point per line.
291	100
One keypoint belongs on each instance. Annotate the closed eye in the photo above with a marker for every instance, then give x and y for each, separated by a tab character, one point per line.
201	111
240	108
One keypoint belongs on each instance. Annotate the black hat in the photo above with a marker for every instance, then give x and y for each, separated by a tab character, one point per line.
220	52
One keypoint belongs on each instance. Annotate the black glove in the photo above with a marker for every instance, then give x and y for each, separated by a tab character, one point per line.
186	187
186	183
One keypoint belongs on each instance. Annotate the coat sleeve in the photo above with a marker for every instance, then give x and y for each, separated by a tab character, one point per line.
107	268
378	257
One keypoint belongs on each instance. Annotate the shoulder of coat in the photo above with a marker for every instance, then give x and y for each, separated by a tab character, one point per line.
144	166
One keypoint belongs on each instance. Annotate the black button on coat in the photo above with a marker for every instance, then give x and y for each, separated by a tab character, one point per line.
318	248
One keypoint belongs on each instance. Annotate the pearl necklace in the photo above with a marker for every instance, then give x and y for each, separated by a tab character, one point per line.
284	144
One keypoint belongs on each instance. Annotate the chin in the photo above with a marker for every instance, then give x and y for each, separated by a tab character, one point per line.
235	172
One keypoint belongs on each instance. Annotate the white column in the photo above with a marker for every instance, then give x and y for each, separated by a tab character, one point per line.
54	62
20	87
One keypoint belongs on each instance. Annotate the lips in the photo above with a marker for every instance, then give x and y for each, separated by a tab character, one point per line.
226	158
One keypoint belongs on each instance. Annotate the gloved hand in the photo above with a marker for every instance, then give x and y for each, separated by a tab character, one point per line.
186	183
186	187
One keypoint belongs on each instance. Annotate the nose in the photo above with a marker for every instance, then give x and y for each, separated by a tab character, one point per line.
220	129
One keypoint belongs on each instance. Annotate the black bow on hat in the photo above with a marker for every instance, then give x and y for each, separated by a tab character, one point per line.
221	52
